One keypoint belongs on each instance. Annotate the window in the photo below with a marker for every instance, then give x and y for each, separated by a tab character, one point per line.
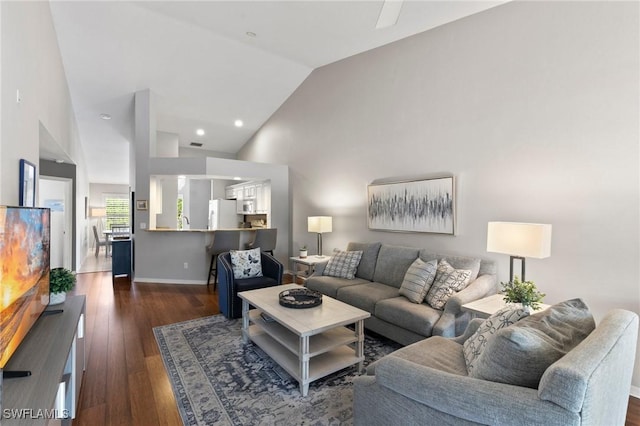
117	206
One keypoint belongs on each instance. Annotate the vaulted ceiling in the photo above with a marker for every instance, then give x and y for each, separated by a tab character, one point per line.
211	63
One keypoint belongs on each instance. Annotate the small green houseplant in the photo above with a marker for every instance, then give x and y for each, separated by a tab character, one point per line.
61	280
523	292
303	252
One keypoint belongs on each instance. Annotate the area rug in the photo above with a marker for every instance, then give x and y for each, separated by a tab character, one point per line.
219	380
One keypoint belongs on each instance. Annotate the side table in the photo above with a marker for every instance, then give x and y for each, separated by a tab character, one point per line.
484	308
308	266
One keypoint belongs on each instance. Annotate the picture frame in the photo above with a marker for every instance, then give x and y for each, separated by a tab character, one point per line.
421	205
27	184
142	205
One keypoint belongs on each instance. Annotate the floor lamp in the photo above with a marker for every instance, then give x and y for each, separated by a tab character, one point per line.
519	240
319	224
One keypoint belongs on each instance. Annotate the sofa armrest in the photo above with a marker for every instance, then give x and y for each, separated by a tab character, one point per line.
469	398
318	269
481	287
474	324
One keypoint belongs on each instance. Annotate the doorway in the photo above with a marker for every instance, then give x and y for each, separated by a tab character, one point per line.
56	194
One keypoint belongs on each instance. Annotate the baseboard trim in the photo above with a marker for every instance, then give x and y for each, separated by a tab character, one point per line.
635	391
167	281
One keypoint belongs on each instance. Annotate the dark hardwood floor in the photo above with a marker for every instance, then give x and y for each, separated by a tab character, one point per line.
125	382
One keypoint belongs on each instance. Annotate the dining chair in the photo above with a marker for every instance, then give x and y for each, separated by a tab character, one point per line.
101	243
120	232
222	241
265	239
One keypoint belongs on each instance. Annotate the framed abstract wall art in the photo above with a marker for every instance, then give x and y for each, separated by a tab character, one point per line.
426	205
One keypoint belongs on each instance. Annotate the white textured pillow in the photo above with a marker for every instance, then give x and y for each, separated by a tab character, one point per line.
474	345
418	279
246	263
447	282
343	264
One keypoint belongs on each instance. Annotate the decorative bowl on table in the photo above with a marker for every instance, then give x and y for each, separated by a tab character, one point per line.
300	298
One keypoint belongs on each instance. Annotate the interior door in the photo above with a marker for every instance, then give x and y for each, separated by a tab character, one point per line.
55	193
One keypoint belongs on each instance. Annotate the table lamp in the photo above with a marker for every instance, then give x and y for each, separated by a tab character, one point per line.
319	224
99	213
519	240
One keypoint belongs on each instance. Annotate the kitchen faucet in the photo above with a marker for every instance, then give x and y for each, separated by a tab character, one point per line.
186	218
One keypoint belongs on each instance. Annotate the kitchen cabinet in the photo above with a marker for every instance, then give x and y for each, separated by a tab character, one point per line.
258	192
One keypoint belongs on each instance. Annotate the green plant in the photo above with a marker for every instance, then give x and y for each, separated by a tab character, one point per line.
61	280
524	292
303	248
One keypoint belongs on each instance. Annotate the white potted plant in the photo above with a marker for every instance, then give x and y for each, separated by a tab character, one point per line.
303	252
61	280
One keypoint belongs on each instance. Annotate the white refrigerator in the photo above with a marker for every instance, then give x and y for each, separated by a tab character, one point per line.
222	214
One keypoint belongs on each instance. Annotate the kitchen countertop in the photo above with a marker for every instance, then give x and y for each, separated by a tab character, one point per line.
201	230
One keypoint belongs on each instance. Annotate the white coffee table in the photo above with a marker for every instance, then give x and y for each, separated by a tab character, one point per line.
308	343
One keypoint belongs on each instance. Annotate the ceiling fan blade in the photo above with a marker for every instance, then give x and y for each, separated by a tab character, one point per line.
389	13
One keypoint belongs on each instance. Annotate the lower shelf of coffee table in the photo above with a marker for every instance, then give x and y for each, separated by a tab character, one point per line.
329	351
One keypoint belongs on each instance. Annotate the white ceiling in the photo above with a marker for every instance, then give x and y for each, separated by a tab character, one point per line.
205	70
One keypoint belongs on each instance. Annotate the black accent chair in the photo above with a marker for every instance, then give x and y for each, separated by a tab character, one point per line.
229	287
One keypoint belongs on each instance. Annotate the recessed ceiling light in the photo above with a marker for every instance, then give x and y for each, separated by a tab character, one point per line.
59	161
200	132
105	116
250	34
238	123
237	178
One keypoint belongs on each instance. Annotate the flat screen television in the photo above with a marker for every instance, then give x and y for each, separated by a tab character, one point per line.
24	273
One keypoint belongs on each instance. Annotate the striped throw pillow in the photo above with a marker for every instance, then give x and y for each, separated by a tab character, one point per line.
418	279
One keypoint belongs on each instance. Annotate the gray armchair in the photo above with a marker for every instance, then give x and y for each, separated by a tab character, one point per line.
229	287
427	383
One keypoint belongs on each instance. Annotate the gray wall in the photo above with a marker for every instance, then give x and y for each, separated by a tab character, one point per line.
533	106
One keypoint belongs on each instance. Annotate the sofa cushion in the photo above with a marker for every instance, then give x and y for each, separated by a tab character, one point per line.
365	296
435	352
418	279
470	263
447	282
330	285
392	264
475	344
343	264
246	263
520	354
368	261
399	311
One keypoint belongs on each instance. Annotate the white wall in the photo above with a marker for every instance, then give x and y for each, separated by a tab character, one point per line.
31	63
533	106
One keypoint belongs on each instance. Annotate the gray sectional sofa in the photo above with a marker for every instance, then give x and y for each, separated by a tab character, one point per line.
376	285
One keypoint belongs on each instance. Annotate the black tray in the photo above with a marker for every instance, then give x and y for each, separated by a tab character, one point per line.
300	298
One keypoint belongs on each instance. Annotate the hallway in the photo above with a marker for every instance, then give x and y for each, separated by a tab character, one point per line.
91	263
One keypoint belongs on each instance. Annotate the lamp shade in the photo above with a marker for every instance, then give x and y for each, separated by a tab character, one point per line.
98	212
319	224
519	239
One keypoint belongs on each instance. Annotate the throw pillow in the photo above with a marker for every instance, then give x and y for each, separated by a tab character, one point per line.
418	279
474	345
521	353
447	282
343	264
246	263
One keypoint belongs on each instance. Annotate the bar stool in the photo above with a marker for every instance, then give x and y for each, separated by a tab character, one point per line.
265	239
222	241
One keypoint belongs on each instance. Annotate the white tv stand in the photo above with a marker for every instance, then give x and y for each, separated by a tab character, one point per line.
54	352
